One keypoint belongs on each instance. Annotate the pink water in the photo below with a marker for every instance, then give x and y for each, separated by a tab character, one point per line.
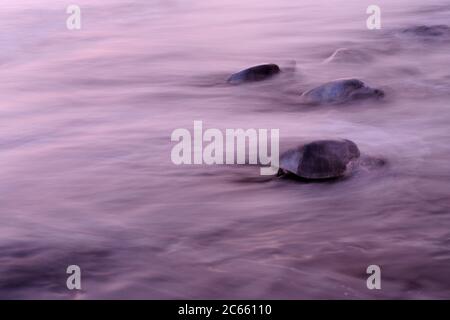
86	176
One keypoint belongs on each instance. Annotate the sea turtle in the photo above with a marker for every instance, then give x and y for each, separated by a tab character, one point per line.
340	91
321	159
428	31
257	73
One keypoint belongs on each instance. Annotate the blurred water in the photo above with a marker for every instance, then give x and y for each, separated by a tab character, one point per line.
86	176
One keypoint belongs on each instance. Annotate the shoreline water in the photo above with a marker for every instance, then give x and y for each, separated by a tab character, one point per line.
87	179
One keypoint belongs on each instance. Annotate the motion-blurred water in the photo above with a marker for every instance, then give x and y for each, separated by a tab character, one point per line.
86	176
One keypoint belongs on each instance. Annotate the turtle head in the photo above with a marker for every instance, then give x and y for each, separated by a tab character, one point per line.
365	92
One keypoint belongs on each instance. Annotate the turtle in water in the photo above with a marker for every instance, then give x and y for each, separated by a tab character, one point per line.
321	159
257	73
340	91
428	31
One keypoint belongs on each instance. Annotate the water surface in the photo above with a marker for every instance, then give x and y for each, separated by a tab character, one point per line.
86	176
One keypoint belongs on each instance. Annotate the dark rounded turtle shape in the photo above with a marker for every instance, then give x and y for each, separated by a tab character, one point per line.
340	91
257	73
428	31
321	159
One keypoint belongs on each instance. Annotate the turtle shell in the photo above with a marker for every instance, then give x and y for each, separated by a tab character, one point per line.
322	159
257	73
340	91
